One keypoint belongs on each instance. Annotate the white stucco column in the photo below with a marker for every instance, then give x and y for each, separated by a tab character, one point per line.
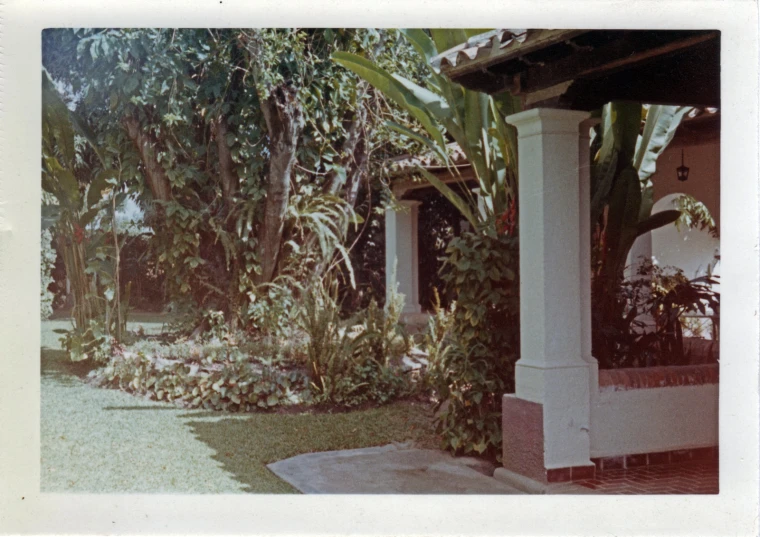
401	253
554	369
584	182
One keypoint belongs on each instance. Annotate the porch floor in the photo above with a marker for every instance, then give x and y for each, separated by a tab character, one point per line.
696	477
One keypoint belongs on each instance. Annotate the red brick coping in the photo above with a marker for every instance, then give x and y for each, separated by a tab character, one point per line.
657	377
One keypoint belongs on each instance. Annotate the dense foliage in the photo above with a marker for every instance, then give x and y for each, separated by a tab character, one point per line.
625	148
694	215
650	333
334	362
473	365
247	149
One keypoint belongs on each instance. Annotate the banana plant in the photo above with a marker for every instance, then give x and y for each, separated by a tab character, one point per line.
77	207
622	193
622	197
443	109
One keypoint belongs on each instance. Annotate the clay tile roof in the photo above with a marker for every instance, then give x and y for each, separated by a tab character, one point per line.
406	163
498	44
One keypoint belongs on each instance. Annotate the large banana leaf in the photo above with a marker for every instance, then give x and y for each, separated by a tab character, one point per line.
56	122
448	38
59	125
383	81
619	130
434	103
422	42
444	108
622	219
659	129
504	105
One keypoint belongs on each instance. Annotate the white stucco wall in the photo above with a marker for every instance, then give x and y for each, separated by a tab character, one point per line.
704	175
654	419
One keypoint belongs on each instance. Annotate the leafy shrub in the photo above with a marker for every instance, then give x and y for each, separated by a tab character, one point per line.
664	295
386	338
440	326
214	377
47	262
92	343
473	366
352	362
273	309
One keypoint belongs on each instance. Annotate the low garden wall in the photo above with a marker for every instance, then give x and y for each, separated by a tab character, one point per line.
655	410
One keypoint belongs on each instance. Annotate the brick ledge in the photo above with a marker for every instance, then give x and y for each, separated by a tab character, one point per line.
657	377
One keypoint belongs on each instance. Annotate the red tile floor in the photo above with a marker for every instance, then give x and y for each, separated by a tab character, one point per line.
697	477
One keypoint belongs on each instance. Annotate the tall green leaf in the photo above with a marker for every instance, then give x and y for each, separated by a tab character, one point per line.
659	130
422	42
619	130
384	82
623	219
448	38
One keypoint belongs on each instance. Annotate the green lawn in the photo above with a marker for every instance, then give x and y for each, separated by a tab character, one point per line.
100	440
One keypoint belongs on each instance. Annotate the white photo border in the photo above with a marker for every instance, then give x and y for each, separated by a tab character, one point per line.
23	509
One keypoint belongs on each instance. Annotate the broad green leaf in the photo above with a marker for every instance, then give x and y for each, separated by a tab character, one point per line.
659	129
442	157
393	89
623	217
619	128
434	103
448	38
421	41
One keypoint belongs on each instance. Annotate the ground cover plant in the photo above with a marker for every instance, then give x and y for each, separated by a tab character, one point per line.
109	441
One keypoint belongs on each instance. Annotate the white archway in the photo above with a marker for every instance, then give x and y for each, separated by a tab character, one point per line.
692	250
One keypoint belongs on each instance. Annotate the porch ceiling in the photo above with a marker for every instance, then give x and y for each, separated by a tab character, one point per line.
584	69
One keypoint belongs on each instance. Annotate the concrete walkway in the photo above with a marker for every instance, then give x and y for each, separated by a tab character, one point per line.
108	441
390	469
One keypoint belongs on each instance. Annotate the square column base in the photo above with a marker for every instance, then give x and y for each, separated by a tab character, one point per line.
524	444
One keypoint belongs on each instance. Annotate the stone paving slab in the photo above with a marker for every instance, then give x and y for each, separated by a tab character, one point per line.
390	469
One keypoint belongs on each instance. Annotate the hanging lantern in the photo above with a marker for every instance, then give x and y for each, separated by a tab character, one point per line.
682	171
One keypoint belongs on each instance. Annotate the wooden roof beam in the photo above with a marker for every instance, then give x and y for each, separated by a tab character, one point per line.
601	61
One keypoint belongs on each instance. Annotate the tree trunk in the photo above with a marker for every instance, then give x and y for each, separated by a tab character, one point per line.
353	157
284	123
227	176
158	182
